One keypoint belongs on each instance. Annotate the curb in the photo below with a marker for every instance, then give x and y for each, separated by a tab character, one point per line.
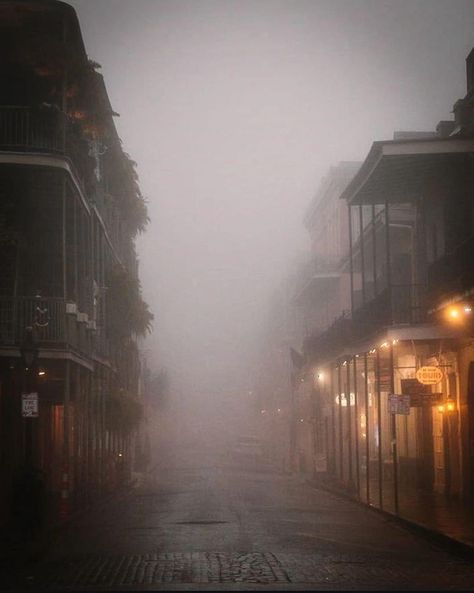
456	546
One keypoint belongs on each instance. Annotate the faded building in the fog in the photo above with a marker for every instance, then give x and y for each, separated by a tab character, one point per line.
70	302
322	295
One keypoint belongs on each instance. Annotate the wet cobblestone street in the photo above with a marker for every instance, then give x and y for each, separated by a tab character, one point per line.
207	521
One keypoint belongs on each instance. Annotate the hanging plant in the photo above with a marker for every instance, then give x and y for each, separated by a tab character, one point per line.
128	313
134	204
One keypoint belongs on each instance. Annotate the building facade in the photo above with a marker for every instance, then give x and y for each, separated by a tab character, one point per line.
394	377
70	300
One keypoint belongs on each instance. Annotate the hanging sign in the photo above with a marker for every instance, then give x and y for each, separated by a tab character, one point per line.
414	387
426	399
429	375
29	405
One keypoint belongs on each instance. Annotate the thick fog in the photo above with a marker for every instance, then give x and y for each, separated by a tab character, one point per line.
234	110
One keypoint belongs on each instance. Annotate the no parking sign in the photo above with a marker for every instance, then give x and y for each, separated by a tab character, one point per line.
29	405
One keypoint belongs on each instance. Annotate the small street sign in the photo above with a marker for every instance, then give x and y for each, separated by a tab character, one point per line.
399	404
29	405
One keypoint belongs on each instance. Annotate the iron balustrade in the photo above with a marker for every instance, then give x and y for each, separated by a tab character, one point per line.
48	130
53	327
396	305
452	273
24	128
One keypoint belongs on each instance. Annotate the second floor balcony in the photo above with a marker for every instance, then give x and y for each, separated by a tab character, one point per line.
453	273
315	279
46	130
57	325
400	305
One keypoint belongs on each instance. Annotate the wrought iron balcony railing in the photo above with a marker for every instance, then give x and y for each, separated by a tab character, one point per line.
45	130
397	305
53	326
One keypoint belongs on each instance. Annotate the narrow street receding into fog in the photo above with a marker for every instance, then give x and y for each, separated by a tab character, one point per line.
210	515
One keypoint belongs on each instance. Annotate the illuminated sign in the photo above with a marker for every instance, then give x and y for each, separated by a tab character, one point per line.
429	375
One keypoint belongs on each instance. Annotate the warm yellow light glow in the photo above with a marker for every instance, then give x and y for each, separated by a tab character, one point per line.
451	406
320	376
453	313
41	373
373	351
441	408
394	342
384	345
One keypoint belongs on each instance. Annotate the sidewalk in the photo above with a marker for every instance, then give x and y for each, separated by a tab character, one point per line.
438	517
18	551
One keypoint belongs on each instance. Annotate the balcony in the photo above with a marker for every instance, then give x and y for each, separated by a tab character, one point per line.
45	130
453	273
316	279
327	344
54	327
402	304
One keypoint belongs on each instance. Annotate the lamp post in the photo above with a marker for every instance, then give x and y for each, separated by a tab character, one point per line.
29	356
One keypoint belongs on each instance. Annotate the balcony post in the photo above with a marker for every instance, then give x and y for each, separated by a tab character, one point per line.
387	252
64	238
351	267
374	251
393	423
341	447
379	428
362	256
367	429
356	427
349	422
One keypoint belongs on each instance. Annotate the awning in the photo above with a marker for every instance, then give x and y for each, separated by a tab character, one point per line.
395	171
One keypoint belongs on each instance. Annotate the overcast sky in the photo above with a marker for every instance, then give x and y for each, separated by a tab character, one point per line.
234	110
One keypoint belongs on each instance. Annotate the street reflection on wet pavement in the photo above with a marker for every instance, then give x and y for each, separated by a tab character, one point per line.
205	517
